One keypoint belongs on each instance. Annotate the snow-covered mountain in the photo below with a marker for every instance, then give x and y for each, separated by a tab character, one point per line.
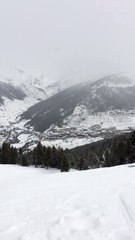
19	91
115	93
77	115
11	92
86	111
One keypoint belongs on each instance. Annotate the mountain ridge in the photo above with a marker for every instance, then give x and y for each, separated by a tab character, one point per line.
92	98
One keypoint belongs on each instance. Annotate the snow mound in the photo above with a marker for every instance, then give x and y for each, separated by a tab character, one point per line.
39	204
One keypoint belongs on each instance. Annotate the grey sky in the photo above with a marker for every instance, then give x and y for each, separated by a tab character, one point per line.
68	38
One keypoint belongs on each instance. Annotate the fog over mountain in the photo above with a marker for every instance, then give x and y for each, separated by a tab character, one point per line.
70	39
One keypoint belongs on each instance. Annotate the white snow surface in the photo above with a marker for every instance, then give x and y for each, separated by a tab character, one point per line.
39	204
69	142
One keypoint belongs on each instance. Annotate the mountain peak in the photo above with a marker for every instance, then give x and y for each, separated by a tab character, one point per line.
122	80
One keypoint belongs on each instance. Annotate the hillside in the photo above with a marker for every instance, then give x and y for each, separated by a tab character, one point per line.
65	116
16	84
113	93
86	112
46	204
19	91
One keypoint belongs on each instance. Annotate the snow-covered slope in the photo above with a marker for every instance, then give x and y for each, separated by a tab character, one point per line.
19	91
36	86
85	112
39	204
76	104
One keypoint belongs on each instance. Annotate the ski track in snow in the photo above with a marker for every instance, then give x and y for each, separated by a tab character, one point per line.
39	204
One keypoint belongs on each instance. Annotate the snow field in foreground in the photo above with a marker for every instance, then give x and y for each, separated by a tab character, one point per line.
39	204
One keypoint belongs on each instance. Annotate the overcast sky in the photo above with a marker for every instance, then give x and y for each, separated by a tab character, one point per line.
79	39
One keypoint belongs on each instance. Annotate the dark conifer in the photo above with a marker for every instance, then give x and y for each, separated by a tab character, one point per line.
6	153
64	166
82	164
13	155
24	161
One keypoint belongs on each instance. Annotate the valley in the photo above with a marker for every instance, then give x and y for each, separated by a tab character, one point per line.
65	116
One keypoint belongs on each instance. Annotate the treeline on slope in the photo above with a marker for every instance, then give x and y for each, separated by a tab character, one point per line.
114	151
40	156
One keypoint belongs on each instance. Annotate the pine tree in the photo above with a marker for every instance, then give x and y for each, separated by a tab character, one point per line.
54	157
24	161
48	157
13	155
82	164
107	161
5	153
20	153
64	163
39	154
131	148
